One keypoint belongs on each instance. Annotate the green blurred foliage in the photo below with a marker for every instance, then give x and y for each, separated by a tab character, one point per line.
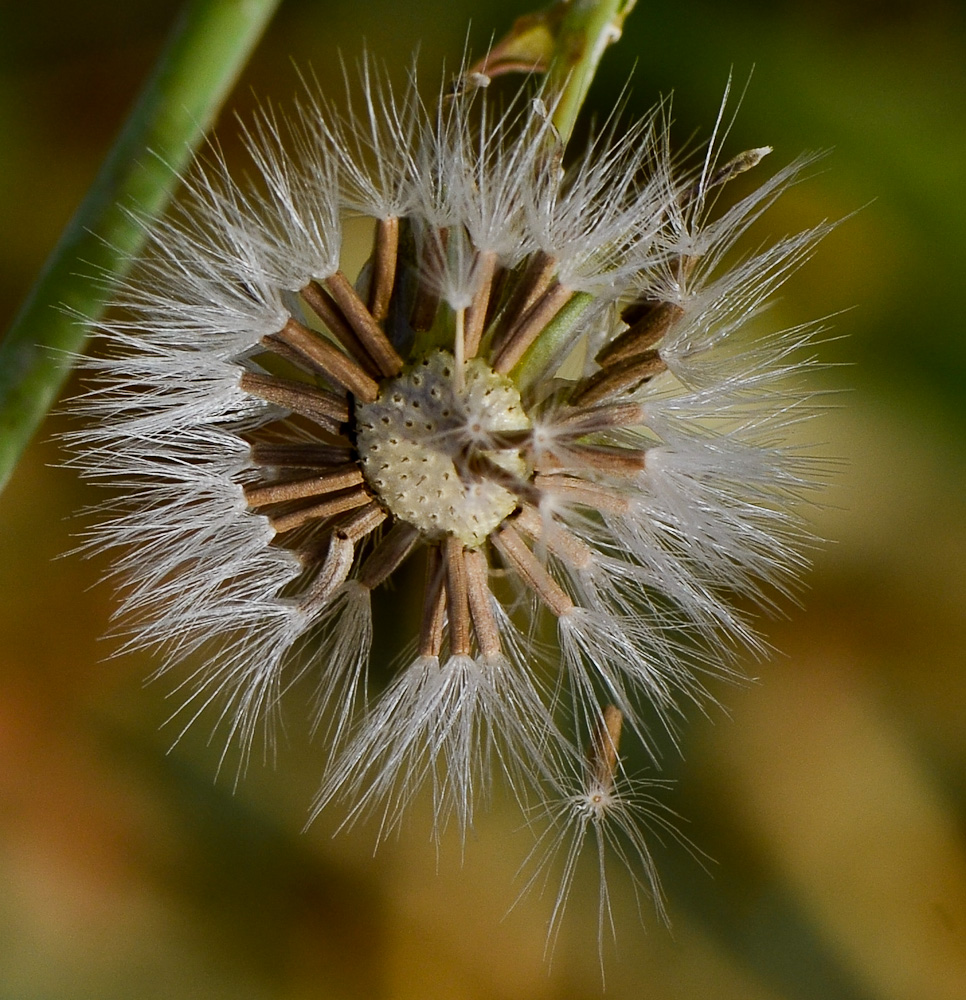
831	797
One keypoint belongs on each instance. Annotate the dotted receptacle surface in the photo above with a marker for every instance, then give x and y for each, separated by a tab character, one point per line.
415	438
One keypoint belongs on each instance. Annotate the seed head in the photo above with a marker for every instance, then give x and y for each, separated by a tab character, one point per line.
540	387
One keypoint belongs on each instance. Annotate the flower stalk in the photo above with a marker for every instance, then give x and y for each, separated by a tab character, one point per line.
587	29
208	47
566	41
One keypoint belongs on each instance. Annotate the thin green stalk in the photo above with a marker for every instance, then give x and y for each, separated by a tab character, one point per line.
587	28
546	348
208	47
566	41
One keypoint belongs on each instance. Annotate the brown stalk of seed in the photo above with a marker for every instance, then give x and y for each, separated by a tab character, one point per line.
385	254
548	531
334	571
304	455
623	376
339	553
388	555
602	759
530	286
475	320
501	279
457	599
524	333
355	525
295	358
533	573
581	420
580	491
327	358
332	317
340	478
485	627
642	335
350	528
337	503
624	462
370	334
323	408
434	606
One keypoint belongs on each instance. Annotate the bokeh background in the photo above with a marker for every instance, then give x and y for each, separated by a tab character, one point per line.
830	799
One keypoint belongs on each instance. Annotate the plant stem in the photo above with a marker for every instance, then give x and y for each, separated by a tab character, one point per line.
546	348
566	41
587	28
197	69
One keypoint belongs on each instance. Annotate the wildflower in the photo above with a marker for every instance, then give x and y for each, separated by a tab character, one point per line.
536	385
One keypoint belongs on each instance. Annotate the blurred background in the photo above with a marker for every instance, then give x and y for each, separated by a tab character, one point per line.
830	798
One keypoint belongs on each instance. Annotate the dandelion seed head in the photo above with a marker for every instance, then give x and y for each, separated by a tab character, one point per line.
540	395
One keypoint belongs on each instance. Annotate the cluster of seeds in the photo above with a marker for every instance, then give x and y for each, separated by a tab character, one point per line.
538	382
441	452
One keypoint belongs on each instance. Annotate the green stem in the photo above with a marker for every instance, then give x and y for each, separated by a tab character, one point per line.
546	348
208	47
581	30
588	27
